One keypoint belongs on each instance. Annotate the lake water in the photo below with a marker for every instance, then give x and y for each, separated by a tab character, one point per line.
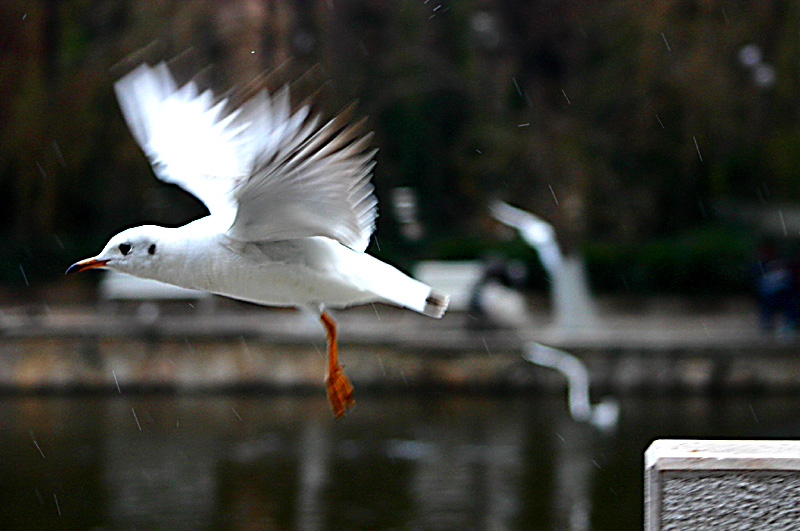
148	462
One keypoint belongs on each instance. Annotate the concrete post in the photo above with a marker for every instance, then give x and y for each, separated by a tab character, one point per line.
705	485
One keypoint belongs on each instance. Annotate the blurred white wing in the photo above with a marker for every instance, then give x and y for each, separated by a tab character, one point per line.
264	171
309	180
536	232
185	135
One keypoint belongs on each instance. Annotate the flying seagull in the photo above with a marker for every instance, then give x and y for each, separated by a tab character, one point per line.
290	201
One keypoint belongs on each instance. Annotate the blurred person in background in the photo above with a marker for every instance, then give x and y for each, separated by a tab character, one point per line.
776	288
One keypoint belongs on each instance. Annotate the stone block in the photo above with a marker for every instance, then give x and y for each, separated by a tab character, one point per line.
727	485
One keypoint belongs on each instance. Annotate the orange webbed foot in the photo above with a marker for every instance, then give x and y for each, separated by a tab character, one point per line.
340	392
338	386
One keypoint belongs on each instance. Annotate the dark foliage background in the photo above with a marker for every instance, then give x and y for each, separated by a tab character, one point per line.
621	122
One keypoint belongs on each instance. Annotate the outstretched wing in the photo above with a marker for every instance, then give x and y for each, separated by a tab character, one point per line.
185	134
265	172
308	180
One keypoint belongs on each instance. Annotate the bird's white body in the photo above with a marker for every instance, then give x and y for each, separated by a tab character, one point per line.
308	271
291	205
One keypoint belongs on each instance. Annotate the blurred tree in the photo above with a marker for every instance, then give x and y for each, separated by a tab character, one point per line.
615	120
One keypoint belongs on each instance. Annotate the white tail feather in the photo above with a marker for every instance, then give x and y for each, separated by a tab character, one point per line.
436	303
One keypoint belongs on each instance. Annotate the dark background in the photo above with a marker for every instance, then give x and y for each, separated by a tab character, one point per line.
634	127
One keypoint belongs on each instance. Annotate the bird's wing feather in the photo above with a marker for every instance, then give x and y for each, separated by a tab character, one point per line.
308	180
187	136
262	170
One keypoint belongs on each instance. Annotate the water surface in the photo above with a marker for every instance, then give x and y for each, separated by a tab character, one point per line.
150	462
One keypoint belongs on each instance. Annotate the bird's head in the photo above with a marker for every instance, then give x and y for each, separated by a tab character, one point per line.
135	251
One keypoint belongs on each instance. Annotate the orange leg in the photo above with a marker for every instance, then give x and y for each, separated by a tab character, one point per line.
340	391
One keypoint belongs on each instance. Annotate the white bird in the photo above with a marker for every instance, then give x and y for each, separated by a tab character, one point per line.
571	294
291	207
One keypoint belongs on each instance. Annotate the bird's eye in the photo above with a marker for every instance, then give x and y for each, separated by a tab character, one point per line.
151	249
124	248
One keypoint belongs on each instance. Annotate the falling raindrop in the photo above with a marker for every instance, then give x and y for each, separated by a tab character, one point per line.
136	419
245	348
36	444
753	411
318	350
665	42
698	148
24	276
519	91
383	367
59	155
783	223
552	192
41	170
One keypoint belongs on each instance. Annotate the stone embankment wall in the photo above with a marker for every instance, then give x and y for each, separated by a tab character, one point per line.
284	350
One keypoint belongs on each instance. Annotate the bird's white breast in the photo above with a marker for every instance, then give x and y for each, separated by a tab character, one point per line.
283	273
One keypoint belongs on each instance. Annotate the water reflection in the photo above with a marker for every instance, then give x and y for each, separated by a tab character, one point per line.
444	462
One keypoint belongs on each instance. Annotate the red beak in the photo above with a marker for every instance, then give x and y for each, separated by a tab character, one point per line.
83	265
